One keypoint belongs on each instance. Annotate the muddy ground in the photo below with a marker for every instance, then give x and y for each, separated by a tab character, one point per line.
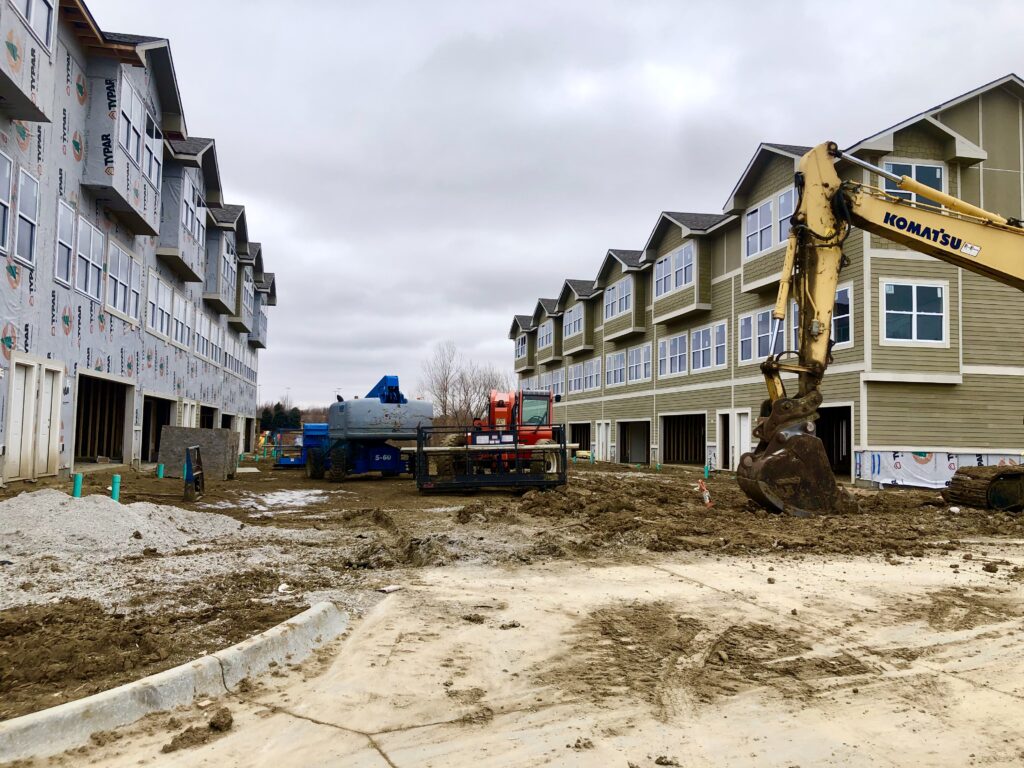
62	638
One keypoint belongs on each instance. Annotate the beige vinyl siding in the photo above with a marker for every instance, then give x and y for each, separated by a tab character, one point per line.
585	338
915	143
733	237
1000	120
624	344
670	240
524	364
992	314
970	185
715	247
554	352
675	303
776	176
853	273
704	257
708	401
982	412
581	412
963	118
761	267
911	358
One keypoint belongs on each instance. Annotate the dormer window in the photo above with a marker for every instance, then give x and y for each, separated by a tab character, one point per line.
674	271
572	323
618	298
154	154
133	117
928	174
521	346
758	224
39	15
546	334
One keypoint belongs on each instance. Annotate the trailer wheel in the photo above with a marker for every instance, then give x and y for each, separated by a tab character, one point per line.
446	461
315	464
339	465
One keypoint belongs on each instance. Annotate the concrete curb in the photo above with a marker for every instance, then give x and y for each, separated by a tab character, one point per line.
54	730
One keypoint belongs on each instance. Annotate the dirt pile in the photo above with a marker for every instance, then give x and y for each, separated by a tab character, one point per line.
665	513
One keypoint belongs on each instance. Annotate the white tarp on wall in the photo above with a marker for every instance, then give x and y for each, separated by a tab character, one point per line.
926	470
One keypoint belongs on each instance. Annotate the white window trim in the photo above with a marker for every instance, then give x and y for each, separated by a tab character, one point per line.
711	329
771	201
17	213
915	162
102	265
670	259
11	213
546	330
154	277
618	298
522	342
568	320
753	337
640	350
886	342
595	374
853	331
783	228
608	369
73	245
54	16
136	264
190	320
667	341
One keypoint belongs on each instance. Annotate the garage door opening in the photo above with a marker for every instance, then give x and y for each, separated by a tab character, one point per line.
684	439
100	419
156	414
635	442
835	429
207	417
250	429
579	434
227	421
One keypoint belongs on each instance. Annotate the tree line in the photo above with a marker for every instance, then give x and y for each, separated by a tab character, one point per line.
458	387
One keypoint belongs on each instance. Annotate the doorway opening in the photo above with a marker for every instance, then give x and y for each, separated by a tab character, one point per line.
207	417
156	414
684	439
100	419
579	434
634	442
835	430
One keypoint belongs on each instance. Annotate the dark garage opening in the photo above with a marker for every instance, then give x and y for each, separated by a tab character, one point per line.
100	419
634	442
684	439
156	414
835	429
227	421
579	434
207	417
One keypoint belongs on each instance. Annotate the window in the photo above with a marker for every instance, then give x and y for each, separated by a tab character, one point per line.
39	15
615	373
572	323
755	336
133	117
546	334
248	292
154	151
124	282
558	382
610	304
592	374
203	334
625	294
576	378
520	346
914	312
672	355
662	277
160	305
5	199
930	175
188	205
759	229
89	266
720	343
65	242
673	271
182	328
682	264
786	202
639	363
228	270
842	319
28	216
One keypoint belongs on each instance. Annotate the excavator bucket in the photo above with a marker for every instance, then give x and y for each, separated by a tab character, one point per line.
791	474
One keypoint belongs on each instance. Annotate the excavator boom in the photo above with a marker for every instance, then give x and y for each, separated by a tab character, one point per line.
788	471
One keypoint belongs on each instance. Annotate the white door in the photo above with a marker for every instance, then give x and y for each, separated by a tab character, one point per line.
19	431
742	434
604	433
49	400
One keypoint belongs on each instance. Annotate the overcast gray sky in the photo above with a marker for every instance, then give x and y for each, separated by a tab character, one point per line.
420	171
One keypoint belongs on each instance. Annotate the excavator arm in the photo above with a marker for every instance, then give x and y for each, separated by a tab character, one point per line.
789	471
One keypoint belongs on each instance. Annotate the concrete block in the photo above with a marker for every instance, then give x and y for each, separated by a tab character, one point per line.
287	643
218	447
54	730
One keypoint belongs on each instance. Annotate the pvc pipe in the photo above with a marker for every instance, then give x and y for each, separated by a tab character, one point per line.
115	487
160	471
76	491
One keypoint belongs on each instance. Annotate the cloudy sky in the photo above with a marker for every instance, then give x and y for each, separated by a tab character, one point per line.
421	171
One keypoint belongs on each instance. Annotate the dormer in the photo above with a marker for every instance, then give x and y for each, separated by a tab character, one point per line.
577	304
524	334
623	294
190	173
547	319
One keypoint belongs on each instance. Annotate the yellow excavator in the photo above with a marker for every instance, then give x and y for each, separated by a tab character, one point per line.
789	471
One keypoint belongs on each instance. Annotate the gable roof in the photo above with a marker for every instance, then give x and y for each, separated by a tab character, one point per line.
581	289
520	323
227	215
765	151
689	224
550	306
267	284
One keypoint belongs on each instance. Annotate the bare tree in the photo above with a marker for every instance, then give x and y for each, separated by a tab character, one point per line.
459	388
